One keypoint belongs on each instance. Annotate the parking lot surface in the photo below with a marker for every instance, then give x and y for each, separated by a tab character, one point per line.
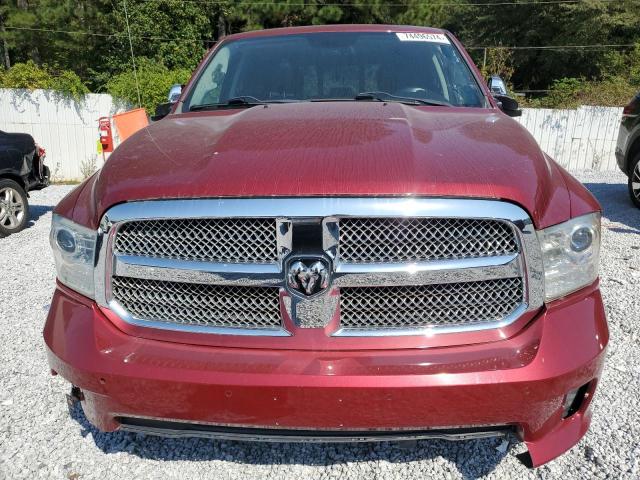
39	439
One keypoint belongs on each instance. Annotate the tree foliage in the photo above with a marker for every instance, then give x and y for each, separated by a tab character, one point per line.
31	76
154	80
573	92
589	22
91	37
498	61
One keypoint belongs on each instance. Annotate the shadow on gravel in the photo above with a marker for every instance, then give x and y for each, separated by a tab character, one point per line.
36	211
473	458
614	198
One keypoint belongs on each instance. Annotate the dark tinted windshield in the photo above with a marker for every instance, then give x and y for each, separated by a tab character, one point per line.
322	66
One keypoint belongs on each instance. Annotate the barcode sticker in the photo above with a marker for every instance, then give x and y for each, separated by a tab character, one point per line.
422	37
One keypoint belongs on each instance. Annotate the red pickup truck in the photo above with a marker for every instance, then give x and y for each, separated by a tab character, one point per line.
337	234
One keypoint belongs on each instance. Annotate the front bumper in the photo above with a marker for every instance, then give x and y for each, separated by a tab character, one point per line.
520	382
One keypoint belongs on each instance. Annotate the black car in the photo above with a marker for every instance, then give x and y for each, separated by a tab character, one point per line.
22	169
628	147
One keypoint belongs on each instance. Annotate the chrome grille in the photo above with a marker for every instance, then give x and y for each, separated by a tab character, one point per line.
386	240
238	240
198	305
429	305
383	280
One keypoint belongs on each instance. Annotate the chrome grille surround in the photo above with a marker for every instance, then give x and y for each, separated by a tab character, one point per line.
234	240
299	312
429	305
388	240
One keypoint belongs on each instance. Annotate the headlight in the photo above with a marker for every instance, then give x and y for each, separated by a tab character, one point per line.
74	249
570	253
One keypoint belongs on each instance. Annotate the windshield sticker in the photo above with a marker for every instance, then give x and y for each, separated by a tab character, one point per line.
422	37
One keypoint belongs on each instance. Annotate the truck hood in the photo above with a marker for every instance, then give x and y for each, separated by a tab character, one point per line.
336	149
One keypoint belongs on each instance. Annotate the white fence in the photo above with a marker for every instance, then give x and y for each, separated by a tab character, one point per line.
577	139
581	139
67	129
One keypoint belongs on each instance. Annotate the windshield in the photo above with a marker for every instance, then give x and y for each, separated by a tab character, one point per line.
338	66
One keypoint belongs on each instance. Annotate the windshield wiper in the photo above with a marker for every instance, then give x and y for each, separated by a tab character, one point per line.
239	102
388	97
242	101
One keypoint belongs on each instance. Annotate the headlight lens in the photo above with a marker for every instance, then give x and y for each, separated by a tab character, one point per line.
74	248
570	253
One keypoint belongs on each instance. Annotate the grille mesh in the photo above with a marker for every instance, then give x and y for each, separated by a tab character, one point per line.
196	304
239	240
429	305
384	240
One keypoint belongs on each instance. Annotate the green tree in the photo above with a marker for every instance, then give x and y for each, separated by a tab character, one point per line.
91	37
154	80
170	31
31	76
541	24
24	20
497	61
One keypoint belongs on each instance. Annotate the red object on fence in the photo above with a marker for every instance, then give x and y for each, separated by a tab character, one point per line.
106	137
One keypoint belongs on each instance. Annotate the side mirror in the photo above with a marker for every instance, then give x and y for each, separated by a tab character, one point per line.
496	85
508	105
162	111
174	93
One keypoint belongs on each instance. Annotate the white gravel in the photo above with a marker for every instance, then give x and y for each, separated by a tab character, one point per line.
38	438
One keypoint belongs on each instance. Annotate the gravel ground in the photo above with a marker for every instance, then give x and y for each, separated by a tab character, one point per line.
38	438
